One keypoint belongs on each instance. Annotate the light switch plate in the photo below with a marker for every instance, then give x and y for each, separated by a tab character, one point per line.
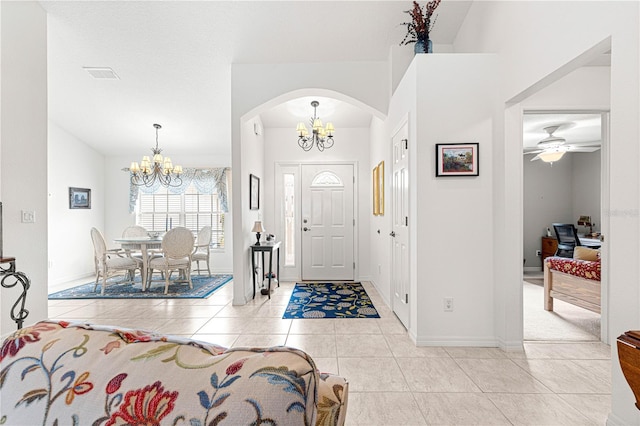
28	216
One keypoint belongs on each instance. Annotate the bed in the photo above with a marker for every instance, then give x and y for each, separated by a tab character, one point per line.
575	281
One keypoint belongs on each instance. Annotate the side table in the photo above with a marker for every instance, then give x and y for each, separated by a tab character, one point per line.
262	249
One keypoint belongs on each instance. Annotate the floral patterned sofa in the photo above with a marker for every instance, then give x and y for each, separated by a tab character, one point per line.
576	281
58	373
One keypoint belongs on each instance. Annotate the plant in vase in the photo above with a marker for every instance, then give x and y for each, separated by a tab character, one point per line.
420	26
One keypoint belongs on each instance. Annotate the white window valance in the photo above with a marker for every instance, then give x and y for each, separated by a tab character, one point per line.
206	181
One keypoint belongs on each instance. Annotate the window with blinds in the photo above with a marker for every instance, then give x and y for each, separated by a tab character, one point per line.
164	210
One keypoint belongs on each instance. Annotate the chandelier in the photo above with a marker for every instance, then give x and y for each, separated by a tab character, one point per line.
157	169
321	137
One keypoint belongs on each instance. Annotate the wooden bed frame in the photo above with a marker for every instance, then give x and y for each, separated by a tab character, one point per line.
571	289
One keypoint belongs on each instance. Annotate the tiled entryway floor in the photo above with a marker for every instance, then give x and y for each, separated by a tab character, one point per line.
392	382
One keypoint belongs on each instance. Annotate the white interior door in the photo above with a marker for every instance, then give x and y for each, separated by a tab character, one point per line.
400	229
327	222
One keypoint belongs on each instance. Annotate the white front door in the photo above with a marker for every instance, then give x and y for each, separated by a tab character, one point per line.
400	228
327	222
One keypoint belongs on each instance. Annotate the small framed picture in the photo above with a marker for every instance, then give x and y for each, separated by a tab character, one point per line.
457	159
254	192
79	198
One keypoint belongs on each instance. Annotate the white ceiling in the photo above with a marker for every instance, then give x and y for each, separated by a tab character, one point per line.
174	62
576	128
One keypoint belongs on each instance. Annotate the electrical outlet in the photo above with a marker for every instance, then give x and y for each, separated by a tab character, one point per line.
538	253
448	304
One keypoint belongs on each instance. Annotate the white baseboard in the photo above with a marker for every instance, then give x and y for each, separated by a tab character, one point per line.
487	342
87	275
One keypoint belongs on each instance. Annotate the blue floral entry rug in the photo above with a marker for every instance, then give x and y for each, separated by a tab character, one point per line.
203	287
330	300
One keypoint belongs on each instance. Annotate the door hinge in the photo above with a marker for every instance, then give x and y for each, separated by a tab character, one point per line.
406	298
354	222
406	143
354	265
406	221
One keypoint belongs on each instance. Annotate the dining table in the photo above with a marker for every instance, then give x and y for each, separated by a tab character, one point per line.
144	244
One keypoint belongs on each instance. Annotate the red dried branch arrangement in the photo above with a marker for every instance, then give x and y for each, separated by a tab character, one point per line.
421	24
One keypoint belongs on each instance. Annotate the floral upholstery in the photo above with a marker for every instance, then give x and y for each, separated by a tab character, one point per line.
79	374
580	268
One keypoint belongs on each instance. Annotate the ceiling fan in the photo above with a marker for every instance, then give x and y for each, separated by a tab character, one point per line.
552	148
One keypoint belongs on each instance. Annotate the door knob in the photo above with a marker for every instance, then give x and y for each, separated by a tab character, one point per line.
306	229
392	233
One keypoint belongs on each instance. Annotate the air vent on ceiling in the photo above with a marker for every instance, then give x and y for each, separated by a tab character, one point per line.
102	73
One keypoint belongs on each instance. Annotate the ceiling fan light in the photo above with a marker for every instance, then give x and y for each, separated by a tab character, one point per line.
552	156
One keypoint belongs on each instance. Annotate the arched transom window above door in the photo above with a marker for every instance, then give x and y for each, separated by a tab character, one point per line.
326	178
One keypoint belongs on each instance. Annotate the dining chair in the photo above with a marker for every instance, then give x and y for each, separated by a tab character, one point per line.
135	231
132	232
175	255
109	264
202	250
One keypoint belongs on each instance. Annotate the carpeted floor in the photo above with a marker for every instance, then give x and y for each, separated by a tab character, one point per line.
567	322
330	300
203	286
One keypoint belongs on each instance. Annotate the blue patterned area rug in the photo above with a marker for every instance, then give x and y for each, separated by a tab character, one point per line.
203	286
330	300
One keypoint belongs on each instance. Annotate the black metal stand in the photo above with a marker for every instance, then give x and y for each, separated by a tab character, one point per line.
10	278
262	249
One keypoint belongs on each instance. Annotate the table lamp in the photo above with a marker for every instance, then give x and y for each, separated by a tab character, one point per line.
586	221
257	228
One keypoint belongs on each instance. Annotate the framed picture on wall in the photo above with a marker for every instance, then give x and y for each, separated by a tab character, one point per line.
457	159
79	198
254	192
378	189
381	188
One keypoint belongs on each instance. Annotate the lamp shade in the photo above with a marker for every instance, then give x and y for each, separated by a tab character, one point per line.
584	221
257	226
330	129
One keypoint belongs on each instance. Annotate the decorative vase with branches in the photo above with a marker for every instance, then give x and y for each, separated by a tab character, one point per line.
418	29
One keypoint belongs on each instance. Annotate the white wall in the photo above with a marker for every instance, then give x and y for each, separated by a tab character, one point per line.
72	163
380	226
586	188
117	216
530	58
251	162
24	148
450	219
351	145
547	198
454	222
587	88
257	87
559	193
